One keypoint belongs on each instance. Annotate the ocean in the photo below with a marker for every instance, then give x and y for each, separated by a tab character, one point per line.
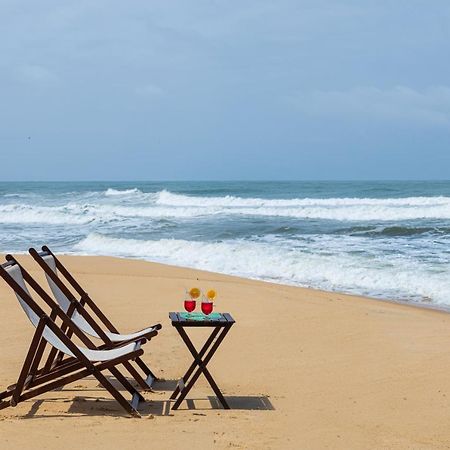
382	239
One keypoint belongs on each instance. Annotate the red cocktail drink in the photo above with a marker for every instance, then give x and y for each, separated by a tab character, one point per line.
207	307
189	305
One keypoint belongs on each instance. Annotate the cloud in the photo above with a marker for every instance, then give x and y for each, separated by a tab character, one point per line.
400	103
149	90
36	74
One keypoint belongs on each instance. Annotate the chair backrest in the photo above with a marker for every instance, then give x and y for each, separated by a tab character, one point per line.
95	322
62	299
58	294
15	273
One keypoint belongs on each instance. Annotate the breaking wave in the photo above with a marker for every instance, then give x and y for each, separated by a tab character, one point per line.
110	192
344	209
165	204
277	261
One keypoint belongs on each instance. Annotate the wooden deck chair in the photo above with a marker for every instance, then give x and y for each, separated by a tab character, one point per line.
79	362
86	314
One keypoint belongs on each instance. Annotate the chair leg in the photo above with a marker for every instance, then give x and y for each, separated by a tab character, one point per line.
116	394
130	408
4	405
145	369
7	392
25	372
135	374
125	383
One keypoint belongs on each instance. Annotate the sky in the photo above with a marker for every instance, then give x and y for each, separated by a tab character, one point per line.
209	90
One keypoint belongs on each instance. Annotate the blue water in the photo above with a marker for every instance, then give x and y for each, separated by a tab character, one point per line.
384	239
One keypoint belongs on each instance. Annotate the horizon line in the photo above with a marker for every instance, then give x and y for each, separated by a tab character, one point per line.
310	180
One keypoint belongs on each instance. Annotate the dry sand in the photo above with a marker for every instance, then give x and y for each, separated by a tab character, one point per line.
301	368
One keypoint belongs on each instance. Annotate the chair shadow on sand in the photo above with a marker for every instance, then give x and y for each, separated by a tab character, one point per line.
85	405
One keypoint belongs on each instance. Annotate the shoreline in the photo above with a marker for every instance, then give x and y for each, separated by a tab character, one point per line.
415	304
301	368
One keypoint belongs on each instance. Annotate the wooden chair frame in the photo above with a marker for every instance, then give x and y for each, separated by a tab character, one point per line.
35	379
94	316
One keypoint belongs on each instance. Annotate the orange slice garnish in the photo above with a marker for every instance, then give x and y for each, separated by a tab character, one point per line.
194	292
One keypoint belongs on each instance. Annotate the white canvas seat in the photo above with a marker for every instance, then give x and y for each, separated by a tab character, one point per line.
52	339
81	322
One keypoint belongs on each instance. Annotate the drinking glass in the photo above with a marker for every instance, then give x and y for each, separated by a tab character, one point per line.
207	307
190	299
189	305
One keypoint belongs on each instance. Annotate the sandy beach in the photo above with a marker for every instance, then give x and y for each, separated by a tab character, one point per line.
301	369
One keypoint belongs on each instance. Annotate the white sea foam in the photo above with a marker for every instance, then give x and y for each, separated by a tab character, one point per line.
278	261
27	214
119	192
165	197
310	208
16	195
167	205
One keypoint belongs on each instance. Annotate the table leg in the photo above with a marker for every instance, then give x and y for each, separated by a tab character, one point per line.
202	367
199	356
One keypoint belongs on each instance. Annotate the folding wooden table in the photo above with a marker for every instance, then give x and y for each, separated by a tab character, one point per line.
221	324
